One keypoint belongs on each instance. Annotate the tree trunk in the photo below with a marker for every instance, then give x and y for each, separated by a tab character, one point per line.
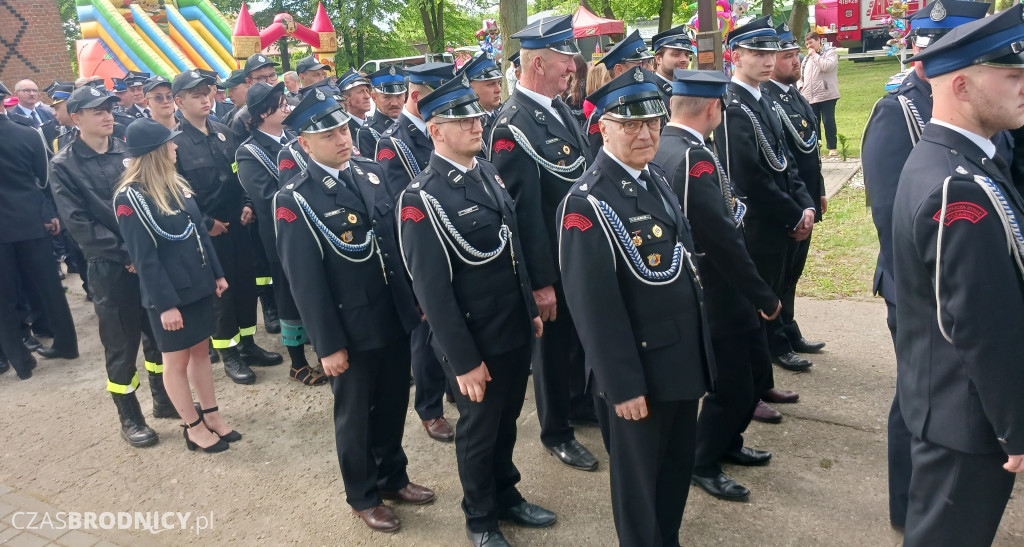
606	9
428	26
439	34
665	15
345	34
768	7
796	20
511	18
286	59
360	48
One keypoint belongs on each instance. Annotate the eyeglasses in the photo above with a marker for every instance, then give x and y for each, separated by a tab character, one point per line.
270	78
161	99
465	124
632	127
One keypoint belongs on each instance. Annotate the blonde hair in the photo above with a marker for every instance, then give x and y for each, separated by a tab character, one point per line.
155	173
597	77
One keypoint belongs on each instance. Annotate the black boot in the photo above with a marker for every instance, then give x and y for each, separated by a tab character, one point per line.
235	367
256	356
271	322
162	406
133	424
214	356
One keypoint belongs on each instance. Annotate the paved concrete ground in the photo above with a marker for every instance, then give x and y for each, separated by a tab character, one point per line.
281	484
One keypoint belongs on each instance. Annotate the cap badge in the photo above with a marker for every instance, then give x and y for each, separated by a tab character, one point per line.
391	70
126	161
261	58
94	91
194	73
637	74
465	81
320	95
785	27
938	12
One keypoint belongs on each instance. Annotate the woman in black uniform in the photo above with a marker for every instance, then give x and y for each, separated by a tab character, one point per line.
179	273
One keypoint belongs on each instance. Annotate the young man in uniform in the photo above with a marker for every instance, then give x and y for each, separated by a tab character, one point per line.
625	253
403	151
336	239
735	296
485	78
539	150
206	159
85	174
958	257
672	49
388	96
461	245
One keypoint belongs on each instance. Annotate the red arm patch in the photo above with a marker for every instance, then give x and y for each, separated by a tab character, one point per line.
594	128
385	154
504	144
701	168
286	164
961	210
285	214
411	213
124	211
576	220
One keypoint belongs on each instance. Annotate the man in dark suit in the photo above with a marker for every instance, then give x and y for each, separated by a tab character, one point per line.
735	297
779	209
540	151
134	81
336	239
403	151
25	248
958	256
625	252
893	129
796	117
458	278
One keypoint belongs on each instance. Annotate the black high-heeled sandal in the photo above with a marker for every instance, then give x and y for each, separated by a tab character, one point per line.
220	446
231	437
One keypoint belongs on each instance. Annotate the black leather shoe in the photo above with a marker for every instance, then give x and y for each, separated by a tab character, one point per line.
803	346
53	353
792	361
255	356
31	343
133	426
488	539
27	372
529	515
235	367
722	487
575	455
747	456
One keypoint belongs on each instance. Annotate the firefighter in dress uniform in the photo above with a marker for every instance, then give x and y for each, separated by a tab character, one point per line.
388	89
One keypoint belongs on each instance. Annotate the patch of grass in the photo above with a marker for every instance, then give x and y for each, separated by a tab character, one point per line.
844	247
860	85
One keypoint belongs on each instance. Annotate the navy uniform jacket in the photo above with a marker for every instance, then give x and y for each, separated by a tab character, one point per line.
354	300
538	187
171	273
802	128
291	160
207	161
261	183
22	174
594	138
640	337
402	165
963	394
890	134
775	200
475	311
366	136
733	290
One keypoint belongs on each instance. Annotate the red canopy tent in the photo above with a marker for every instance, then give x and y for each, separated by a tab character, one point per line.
585	24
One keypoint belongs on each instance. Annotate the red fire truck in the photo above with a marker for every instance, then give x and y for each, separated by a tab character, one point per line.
858	24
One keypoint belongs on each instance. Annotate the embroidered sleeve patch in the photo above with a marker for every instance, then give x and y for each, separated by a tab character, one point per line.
411	213
124	211
385	154
701	168
594	128
504	144
285	214
576	220
286	164
961	210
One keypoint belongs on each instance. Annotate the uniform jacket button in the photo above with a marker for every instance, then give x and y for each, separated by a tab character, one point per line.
1001	440
643	344
467	316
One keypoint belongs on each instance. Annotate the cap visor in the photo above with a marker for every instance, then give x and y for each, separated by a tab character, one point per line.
647	108
330	119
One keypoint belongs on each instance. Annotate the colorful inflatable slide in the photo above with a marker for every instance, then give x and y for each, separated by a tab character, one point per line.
165	37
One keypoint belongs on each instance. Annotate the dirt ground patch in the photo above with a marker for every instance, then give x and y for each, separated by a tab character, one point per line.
281	485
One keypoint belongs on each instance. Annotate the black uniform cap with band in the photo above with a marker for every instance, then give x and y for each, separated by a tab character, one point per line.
994	41
155	82
757	35
455	99
554	33
389	80
629	50
630	96
256	62
146	135
260	92
317	112
673	38
936	19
